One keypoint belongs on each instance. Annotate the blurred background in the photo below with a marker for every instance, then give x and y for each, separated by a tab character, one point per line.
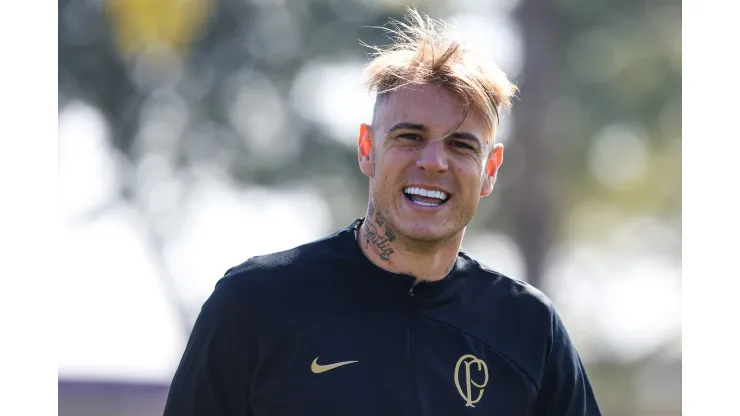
194	134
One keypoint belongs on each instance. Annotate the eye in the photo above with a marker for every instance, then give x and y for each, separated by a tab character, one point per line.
463	145
409	136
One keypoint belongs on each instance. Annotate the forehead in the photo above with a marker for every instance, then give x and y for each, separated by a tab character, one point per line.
438	108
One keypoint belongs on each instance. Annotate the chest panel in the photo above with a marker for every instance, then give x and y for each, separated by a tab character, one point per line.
389	363
338	365
455	373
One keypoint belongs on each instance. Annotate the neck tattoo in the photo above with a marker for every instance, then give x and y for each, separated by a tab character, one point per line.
378	235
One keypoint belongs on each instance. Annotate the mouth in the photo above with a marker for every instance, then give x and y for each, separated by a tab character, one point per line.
426	197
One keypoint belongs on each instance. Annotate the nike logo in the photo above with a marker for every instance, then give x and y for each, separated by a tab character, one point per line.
317	368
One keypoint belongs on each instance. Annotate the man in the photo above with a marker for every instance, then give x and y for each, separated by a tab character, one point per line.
387	316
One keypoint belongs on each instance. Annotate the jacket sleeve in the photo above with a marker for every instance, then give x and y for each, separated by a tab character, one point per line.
565	389
213	376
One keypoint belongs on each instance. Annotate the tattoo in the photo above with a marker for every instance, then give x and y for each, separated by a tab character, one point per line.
382	222
379	244
389	234
379	220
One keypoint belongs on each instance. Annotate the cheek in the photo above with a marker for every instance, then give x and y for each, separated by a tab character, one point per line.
386	174
470	179
393	162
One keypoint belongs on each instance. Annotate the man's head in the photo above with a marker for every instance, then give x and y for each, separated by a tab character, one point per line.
436	115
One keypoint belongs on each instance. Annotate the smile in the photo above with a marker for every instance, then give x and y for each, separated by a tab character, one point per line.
425	197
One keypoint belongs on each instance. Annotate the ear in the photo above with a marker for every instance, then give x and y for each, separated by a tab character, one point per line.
492	164
365	150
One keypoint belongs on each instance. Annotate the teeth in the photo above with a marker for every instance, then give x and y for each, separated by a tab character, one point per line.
426	204
425	192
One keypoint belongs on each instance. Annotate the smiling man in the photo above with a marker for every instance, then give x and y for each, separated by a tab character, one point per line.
428	171
388	316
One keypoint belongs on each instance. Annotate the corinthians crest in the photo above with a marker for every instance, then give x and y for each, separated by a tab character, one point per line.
471	376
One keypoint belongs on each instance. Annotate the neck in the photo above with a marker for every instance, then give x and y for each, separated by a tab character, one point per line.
426	262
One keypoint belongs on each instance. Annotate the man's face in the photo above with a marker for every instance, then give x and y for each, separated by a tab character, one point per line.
425	182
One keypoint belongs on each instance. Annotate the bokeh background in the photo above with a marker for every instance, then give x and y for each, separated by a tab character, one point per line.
194	134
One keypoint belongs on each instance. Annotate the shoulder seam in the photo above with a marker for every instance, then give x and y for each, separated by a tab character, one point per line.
240	268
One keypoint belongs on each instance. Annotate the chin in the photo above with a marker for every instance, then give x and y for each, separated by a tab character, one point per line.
426	231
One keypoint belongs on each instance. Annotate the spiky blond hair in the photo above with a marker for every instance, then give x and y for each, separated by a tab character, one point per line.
425	51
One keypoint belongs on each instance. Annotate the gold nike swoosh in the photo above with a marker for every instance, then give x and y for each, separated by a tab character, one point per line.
316	368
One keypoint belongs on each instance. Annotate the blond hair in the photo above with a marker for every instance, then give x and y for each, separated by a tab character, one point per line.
424	51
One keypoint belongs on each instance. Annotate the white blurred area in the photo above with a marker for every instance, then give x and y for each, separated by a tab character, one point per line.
116	318
321	86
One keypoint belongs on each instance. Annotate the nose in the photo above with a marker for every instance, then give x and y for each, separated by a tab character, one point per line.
433	158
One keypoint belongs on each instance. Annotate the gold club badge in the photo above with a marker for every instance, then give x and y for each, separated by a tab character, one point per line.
463	366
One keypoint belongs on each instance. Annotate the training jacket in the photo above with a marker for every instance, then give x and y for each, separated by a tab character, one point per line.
320	330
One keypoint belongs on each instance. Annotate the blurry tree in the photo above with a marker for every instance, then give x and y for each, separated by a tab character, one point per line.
597	121
187	84
531	198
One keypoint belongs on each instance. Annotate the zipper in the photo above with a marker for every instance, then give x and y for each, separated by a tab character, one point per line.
411	289
413	404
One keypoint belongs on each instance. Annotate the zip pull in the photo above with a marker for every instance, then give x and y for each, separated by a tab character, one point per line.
411	289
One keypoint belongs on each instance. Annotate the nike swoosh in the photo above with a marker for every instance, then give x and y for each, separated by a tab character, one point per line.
316	368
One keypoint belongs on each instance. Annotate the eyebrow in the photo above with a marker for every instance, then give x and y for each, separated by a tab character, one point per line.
461	135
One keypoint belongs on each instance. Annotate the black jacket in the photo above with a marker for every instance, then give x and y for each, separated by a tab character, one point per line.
320	330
